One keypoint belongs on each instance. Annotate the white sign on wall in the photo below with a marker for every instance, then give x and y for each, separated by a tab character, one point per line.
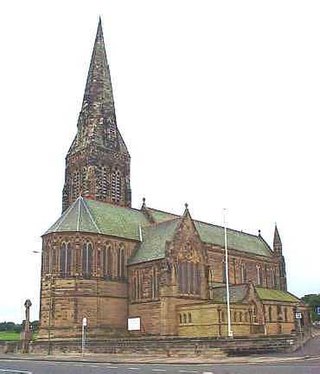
134	324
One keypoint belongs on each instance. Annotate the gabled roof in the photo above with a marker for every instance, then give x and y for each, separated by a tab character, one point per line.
213	234
154	240
240	241
266	294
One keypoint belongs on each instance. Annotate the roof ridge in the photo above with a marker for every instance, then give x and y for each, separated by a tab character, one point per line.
162	211
208	223
66	213
90	215
113	205
228	229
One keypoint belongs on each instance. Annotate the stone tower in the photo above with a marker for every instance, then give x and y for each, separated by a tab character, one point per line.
98	162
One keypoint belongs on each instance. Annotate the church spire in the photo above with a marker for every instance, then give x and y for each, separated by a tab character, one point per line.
277	245
98	162
98	91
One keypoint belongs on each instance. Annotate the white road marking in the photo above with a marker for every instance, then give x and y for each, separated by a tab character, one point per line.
159	370
112	367
188	371
15	371
207	372
133	368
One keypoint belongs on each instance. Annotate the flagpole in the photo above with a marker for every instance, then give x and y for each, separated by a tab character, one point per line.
230	334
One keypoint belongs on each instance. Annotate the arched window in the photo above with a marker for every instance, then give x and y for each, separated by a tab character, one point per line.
76	185
240	317
223	269
266	275
270	313
54	260
103	262
259	277
121	264
184	318
45	258
84	181
65	259
104	181
180	318
243	273
154	284
137	286
279	313
285	314
254	313
116	186
87	254
274	278
188	278
109	266
189	318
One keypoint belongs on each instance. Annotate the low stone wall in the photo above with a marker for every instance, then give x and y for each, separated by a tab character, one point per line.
171	346
9	347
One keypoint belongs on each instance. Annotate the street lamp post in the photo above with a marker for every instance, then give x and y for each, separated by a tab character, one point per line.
83	335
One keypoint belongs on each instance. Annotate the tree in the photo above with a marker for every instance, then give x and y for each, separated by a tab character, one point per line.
10	326
312	300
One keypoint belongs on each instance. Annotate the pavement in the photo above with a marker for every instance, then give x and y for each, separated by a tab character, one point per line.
310	350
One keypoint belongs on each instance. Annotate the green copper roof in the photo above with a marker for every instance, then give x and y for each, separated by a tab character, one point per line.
236	240
213	234
275	295
154	241
93	216
86	215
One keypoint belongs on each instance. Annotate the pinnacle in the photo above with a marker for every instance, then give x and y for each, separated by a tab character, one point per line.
276	238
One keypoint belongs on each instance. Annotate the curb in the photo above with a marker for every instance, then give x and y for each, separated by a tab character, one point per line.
247	360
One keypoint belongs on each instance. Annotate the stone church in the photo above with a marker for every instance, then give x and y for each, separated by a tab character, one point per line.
163	273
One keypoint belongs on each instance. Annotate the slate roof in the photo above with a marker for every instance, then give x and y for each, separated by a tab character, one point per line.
275	295
86	215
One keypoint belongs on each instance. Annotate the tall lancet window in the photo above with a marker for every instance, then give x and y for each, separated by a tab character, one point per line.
105	261
65	259
189	278
116	185
104	181
87	253
76	185
121	264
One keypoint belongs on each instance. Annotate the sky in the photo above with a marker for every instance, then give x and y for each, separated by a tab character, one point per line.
217	101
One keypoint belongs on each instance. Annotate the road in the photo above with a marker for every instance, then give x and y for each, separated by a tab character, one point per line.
311	366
